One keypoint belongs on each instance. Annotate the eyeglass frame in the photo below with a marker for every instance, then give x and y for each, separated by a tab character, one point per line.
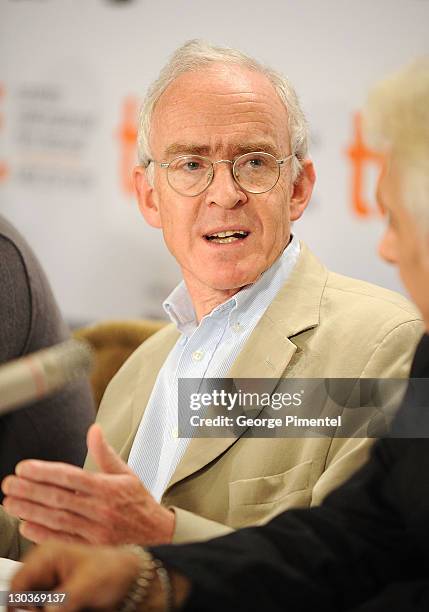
166	165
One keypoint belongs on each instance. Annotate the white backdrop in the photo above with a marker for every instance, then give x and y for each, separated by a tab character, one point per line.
71	73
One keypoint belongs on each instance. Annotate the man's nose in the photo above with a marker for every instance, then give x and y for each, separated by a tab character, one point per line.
224	191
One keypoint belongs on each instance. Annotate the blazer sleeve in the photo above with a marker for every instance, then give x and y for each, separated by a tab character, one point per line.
391	358
190	527
12	544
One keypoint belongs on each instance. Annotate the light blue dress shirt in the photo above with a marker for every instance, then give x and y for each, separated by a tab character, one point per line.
204	350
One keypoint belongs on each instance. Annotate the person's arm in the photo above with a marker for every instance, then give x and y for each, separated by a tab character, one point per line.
15	301
340	553
15	325
391	358
52	428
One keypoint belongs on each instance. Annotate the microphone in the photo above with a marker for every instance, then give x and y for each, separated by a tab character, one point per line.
39	374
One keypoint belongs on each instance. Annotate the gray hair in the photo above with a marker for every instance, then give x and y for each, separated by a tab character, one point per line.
196	54
397	119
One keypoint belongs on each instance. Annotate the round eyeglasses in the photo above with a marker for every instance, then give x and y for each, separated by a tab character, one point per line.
190	175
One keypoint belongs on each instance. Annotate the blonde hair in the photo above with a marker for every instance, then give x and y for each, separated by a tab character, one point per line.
197	54
397	120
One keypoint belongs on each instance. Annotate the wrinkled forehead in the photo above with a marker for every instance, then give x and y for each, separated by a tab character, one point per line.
221	103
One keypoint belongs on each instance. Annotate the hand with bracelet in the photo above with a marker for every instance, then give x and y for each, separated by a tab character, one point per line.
104	578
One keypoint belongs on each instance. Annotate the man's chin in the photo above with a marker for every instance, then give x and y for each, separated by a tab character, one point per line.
231	282
220	276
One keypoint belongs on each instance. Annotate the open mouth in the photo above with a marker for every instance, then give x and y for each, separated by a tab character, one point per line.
227	236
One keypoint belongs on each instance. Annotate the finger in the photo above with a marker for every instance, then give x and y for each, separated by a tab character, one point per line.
105	457
60	474
38	534
58	520
48	495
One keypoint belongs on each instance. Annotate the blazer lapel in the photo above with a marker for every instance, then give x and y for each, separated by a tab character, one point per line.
269	349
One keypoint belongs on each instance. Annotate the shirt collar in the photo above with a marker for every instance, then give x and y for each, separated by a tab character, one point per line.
180	309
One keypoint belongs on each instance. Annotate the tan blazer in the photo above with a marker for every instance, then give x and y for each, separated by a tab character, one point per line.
320	324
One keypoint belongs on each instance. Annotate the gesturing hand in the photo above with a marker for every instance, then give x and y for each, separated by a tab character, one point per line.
57	500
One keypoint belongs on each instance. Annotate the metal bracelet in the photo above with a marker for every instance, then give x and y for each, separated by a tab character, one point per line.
165	582
140	587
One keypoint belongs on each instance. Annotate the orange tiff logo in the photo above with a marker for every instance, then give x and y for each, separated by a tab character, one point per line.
361	156
127	136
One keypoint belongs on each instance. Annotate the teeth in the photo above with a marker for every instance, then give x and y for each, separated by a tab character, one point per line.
225	240
228	233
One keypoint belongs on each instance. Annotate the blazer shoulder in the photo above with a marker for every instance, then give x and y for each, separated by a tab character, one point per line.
160	342
370	299
148	357
166	335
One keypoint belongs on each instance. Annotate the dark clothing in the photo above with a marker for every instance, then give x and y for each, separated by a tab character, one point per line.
365	549
53	428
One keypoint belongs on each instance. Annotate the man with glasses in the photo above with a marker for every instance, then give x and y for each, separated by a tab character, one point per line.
224	172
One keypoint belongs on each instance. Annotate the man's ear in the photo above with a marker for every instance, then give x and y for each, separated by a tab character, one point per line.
146	197
302	190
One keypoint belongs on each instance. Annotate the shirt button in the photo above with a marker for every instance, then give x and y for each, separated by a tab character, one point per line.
175	433
197	355
237	327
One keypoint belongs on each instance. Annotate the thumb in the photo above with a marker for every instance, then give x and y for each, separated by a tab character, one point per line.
103	454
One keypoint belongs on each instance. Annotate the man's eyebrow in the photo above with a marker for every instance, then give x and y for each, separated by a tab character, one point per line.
181	148
251	147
